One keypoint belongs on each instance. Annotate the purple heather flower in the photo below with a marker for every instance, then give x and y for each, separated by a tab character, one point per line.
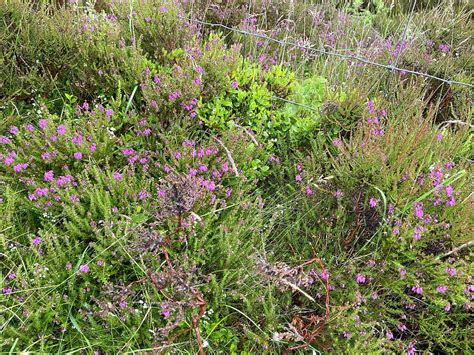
165	310
100	262
234	84
419	210
451	271
78	155
14	130
48	176
298	178
12	276
117	176
109	112
308	191
371	106
42	123
36	241
84	268
61	130
373	202
442	289
74	198
4	140
417	289
447	308
360	278
444	48
389	335
402	272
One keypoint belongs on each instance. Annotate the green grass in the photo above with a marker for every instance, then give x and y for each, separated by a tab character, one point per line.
159	190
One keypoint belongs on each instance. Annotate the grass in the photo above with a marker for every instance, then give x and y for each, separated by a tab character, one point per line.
183	188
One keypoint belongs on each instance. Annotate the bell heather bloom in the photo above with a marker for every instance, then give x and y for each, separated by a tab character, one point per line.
61	130
4	140
442	289
78	155
84	268
417	289
419	210
42	123
36	241
14	130
373	202
48	176
451	271
360	278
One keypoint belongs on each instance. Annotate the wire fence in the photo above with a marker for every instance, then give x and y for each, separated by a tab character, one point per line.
329	53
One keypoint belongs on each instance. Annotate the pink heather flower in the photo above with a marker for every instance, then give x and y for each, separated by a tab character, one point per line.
411	349
447	308
346	334
371	106
84	268
77	139
36	241
451	271
8	161
128	151
419	210
324	275
439	136
142	195
444	48
197	82
402	272
373	202
360	278
12	276
93	148
48	176
234	84
417	289
117	176
14	130
78	155
163	8
298	178
19	167
100	262
449	165
308	191
442	289
61	130
74	199
389	335
337	142
148	19
165	310
4	140
42	123
449	191
109	112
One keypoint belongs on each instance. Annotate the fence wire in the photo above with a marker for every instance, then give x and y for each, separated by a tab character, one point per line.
329	53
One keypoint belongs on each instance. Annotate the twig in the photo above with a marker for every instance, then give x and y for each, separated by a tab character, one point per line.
455	250
229	155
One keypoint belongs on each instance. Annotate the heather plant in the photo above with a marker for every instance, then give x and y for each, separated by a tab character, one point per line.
170	186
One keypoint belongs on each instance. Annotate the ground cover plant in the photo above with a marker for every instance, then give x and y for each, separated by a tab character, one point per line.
200	177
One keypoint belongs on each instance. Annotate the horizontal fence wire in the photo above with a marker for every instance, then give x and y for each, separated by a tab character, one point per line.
329	53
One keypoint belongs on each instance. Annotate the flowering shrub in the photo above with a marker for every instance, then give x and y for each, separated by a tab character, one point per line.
167	188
